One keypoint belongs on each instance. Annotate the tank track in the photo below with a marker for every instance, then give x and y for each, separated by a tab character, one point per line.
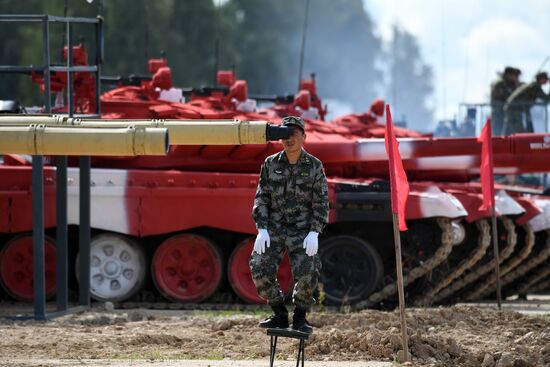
480	271
541	286
483	243
485	288
439	256
532	281
530	264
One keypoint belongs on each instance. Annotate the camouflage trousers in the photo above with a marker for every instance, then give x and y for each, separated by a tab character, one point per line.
513	122
497	119
305	269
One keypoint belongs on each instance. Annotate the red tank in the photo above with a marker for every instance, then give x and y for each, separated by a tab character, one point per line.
185	220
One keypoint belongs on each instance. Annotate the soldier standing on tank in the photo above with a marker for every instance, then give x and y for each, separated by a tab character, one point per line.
290	210
501	89
520	103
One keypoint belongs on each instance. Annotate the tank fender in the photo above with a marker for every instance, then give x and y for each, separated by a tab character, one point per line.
432	202
506	205
541	222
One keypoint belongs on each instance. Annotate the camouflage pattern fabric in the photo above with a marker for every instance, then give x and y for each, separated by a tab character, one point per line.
291	195
501	89
497	118
526	95
291	201
305	269
518	104
514	121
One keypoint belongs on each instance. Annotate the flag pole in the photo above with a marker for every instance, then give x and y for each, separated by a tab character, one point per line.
396	173
488	191
496	257
400	287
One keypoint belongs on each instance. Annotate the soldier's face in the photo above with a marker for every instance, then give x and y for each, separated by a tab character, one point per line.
295	142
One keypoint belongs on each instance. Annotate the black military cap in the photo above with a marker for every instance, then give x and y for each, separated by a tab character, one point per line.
293	120
512	70
541	75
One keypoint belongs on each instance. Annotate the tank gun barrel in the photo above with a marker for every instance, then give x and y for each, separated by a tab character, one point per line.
182	132
38	139
126	80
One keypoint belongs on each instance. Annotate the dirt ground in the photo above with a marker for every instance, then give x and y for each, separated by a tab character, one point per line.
455	336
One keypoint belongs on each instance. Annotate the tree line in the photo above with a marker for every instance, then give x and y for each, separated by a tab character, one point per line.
260	39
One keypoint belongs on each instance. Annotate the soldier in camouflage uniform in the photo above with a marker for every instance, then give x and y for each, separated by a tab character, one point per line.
501	89
290	210
520	102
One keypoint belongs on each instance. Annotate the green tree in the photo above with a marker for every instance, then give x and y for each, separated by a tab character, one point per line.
130	36
262	39
341	47
21	43
259	36
137	30
194	27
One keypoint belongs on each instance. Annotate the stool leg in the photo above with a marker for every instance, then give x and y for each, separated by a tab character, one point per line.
303	352
300	353
273	348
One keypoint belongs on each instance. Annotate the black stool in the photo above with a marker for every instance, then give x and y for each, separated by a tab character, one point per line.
287	333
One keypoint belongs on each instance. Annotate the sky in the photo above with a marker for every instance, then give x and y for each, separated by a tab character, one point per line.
468	41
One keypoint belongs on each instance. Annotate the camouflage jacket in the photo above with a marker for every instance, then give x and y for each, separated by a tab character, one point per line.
501	89
289	195
526	95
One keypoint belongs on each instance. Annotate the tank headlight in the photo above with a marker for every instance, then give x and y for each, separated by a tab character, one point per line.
459	232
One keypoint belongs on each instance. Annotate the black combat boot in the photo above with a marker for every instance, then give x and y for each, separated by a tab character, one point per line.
299	322
278	320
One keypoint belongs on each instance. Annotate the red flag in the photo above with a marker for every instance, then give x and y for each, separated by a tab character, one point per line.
486	169
398	179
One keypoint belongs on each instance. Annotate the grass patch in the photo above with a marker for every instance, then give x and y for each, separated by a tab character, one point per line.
254	355
214	356
150	355
544	316
233	312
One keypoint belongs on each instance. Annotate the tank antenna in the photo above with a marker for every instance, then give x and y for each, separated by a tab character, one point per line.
302	50
146	34
63	34
218	14
216	60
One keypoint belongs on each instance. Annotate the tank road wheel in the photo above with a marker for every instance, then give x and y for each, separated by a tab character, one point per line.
117	268
352	269
187	268
16	267
241	279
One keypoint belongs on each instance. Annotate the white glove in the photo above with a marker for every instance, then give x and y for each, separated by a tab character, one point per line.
262	240
311	243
